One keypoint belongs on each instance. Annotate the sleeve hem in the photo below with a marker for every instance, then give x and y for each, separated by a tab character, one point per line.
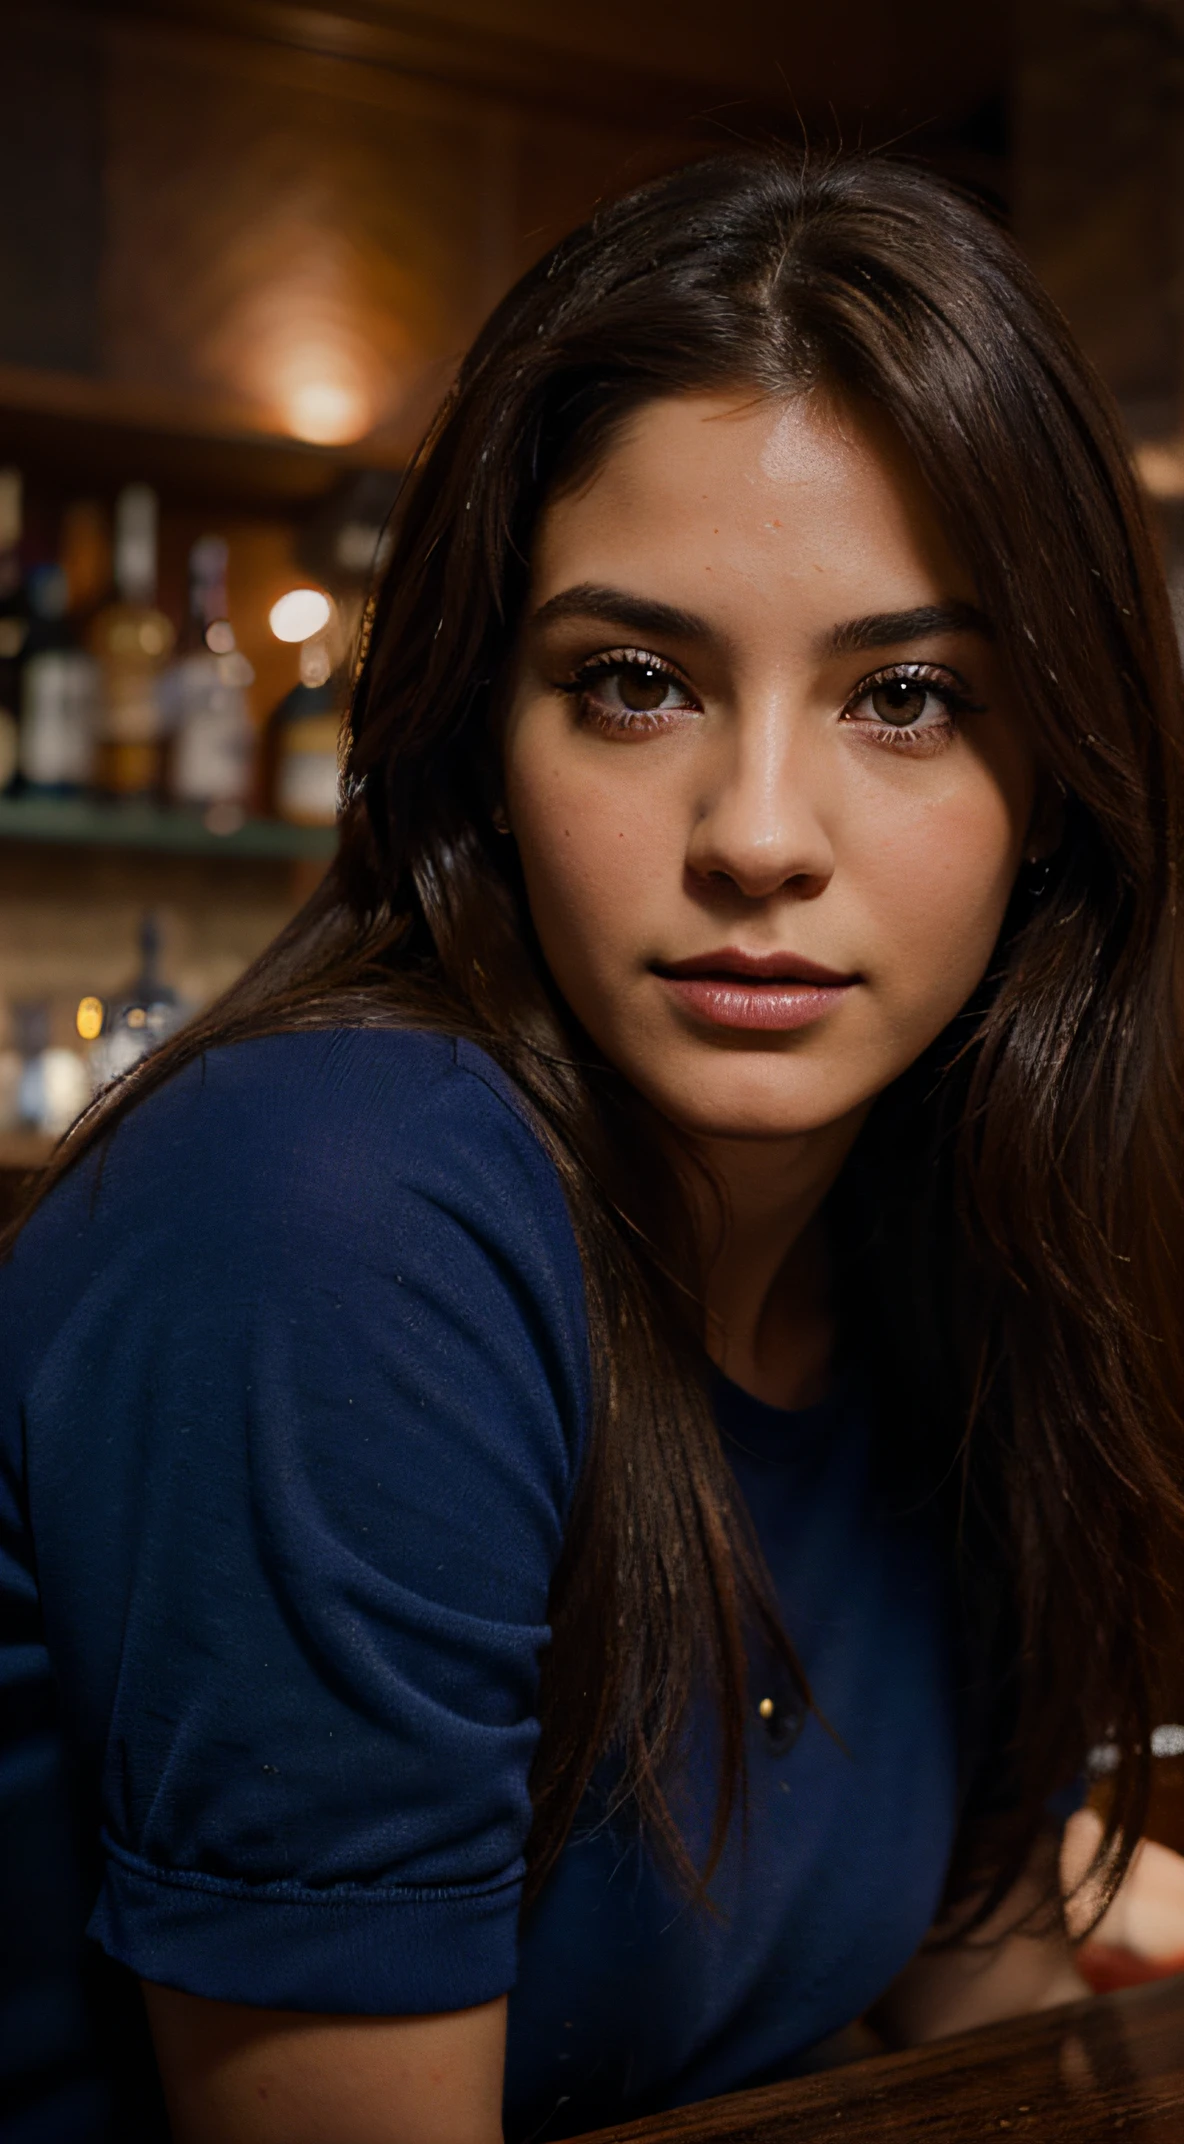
366	1950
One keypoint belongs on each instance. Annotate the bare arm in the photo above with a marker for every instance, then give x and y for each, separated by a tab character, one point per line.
976	1983
234	2075
1147	1916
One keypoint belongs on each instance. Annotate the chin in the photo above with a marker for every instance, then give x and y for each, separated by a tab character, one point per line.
727	1111
751	1127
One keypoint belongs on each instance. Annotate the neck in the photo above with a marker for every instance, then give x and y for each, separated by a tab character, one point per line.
770	1323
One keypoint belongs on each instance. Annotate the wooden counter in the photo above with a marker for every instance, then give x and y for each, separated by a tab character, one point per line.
1112	2067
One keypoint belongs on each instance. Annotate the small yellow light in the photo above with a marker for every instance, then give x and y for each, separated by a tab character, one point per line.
137	1017
89	1019
766	1708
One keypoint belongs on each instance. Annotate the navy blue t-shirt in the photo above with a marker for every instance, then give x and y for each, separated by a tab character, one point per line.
293	1406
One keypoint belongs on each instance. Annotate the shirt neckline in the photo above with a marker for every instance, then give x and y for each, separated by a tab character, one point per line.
788	1434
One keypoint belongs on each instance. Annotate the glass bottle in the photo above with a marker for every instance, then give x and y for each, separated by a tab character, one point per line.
14	623
138	1019
132	639
204	699
54	1086
303	742
59	694
84	554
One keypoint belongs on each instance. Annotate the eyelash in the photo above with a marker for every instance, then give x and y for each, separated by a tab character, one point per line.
642	722
945	687
941	682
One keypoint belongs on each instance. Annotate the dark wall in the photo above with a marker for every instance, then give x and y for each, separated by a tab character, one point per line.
209	200
51	186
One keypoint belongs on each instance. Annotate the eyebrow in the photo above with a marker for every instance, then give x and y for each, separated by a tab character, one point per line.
616	607
855	636
890	628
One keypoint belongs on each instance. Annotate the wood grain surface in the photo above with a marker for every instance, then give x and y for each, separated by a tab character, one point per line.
1111	2067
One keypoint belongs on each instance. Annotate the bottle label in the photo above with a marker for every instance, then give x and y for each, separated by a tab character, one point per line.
205	704
59	706
131	707
306	779
213	754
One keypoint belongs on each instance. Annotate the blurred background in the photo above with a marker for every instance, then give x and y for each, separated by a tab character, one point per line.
244	243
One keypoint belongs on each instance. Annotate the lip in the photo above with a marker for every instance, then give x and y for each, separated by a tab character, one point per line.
754	967
774	992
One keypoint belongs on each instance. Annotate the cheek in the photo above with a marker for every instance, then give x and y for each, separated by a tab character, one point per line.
934	889
596	854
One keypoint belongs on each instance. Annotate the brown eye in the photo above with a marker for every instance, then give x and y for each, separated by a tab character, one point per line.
630	694
900	701
641	688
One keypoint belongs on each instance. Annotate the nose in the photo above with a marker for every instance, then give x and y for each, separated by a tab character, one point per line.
760	822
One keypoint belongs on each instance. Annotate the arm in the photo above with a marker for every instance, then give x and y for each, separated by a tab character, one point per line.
234	2075
1145	1921
354	1406
993	1975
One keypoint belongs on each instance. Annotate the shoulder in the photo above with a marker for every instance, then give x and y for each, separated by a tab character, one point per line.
334	1120
337	1157
337	1099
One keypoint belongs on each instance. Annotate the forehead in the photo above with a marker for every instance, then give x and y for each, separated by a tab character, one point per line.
756	497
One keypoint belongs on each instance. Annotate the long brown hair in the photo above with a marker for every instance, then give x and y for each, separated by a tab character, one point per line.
1023	1177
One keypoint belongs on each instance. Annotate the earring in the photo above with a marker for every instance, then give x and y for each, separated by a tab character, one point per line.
1039	872
501	824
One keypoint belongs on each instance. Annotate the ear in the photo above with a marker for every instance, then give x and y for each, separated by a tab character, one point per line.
487	770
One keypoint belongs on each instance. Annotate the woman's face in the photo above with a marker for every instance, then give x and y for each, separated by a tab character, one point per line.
768	790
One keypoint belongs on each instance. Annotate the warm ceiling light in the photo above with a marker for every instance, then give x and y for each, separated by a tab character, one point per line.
299	614
329	413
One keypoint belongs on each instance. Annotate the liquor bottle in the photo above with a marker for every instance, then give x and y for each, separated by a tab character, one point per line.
12	1067
204	699
59	693
54	1086
132	639
30	1033
14	623
84	553
304	731
137	1020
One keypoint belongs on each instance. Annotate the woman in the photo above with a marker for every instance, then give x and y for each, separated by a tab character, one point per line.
600	1439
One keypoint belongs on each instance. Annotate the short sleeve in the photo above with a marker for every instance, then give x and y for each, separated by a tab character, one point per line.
302	1457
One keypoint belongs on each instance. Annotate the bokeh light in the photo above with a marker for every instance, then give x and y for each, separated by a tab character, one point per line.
300	614
327	412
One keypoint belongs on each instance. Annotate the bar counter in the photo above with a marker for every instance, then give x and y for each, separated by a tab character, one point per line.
1109	2067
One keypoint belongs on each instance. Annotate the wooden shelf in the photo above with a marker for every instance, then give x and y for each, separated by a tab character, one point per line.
80	823
83	433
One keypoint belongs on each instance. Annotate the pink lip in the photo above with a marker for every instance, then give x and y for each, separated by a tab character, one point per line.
771	991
